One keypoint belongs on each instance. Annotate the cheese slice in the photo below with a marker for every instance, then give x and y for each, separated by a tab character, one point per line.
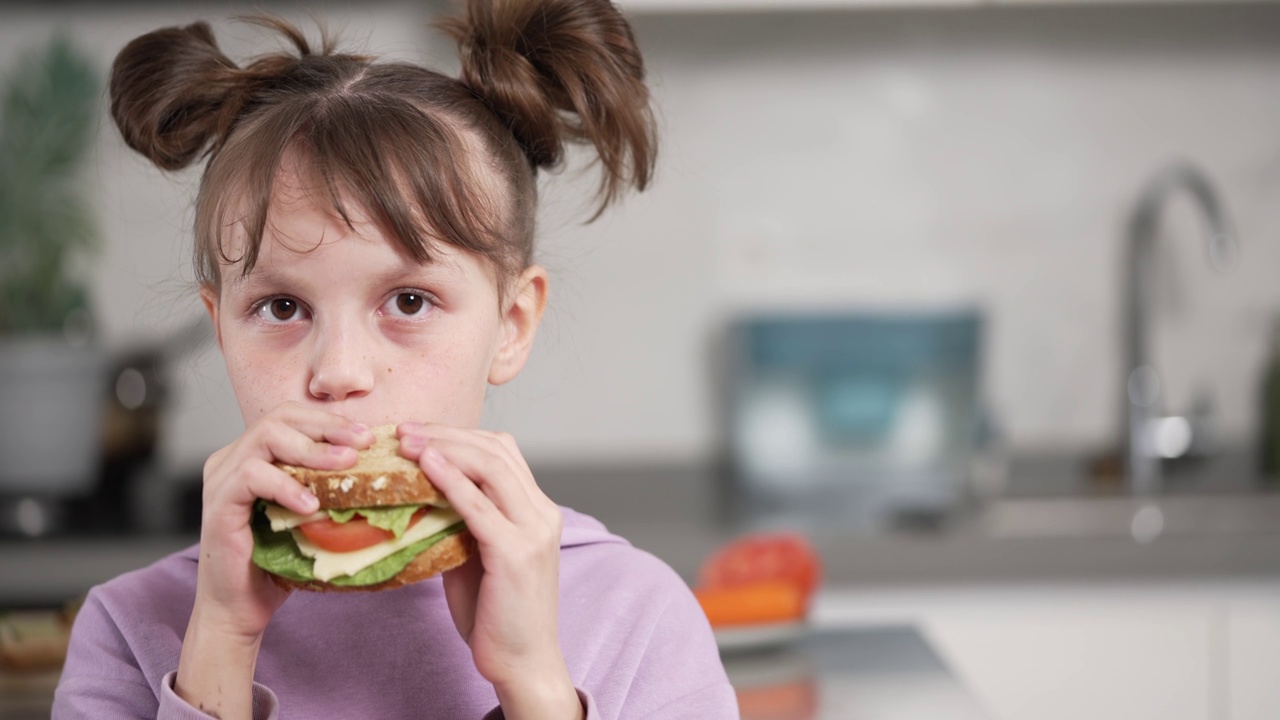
284	518
329	565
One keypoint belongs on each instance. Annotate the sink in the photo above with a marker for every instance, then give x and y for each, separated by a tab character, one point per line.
1054	496
1143	519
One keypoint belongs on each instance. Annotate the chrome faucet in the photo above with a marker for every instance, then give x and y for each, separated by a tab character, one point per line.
1150	436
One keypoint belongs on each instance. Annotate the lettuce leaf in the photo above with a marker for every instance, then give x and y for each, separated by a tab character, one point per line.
276	552
341	516
396	519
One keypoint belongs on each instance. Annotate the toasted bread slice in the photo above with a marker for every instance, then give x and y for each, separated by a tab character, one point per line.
380	477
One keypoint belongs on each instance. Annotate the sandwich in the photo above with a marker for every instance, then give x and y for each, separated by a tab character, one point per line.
381	524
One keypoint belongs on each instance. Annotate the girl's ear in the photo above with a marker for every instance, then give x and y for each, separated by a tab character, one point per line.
520	322
210	298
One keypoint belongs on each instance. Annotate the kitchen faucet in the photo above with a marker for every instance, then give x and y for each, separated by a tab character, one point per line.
1150	436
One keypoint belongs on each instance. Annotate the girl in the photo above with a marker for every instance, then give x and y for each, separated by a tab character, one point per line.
364	237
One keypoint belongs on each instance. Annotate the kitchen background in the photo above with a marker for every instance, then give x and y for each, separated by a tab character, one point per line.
916	160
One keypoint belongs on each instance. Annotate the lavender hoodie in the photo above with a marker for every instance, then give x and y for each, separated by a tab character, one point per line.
636	643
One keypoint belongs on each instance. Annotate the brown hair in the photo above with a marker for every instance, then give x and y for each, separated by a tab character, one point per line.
398	139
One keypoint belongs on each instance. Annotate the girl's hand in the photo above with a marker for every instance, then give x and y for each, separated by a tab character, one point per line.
234	596
505	602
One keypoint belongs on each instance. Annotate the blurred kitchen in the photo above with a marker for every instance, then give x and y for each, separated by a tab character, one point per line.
978	297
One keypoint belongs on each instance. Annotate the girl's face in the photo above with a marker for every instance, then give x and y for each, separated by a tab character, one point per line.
344	321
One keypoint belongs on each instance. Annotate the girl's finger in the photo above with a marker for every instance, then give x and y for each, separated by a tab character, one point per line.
499	444
485	521
493	474
507	441
280	442
261	479
320	426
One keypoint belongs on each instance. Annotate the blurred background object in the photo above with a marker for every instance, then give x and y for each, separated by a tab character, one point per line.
51	359
1152	437
855	419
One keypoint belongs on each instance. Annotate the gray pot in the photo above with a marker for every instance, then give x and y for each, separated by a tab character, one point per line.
51	408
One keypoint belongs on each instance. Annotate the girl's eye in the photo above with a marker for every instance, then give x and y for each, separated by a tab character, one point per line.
408	304
279	310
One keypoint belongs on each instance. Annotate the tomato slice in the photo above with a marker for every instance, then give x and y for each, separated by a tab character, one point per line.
762	558
354	534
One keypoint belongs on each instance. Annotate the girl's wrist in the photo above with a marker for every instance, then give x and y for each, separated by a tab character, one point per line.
546	694
219	623
215	670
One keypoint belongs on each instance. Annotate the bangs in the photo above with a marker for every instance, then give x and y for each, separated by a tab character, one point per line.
413	175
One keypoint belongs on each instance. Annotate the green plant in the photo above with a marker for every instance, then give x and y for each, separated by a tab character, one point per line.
47	125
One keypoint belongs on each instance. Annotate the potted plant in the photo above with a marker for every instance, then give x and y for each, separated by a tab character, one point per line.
51	366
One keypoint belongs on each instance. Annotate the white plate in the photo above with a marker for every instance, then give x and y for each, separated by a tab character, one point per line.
756	637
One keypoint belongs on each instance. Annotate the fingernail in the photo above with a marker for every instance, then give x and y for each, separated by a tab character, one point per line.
359	428
309	501
434	456
414	443
340	450
411	427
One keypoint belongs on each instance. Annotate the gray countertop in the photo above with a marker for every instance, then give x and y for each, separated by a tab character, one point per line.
884	673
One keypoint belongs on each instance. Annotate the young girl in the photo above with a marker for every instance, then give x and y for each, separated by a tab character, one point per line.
364	236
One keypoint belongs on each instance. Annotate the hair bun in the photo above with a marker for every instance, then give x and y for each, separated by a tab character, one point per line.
173	92
557	70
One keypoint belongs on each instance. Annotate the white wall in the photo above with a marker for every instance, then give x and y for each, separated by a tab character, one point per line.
901	158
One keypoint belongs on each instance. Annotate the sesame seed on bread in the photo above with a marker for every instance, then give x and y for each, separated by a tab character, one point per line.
381	477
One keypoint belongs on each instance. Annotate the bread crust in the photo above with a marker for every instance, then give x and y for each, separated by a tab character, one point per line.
445	555
380	477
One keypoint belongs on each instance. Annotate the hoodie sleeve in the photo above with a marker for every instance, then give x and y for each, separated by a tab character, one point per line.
172	707
102	678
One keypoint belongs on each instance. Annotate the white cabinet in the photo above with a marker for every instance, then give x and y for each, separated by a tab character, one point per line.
1253	657
1129	652
1103	658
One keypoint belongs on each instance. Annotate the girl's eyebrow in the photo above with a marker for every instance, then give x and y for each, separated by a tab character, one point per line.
439	268
255	279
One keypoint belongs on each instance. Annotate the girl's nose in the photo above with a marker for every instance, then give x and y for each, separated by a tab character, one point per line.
343	366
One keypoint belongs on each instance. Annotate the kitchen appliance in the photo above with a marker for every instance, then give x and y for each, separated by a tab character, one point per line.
852	419
50	405
103	448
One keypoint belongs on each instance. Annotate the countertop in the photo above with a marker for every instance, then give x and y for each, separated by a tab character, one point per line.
680	515
882	673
